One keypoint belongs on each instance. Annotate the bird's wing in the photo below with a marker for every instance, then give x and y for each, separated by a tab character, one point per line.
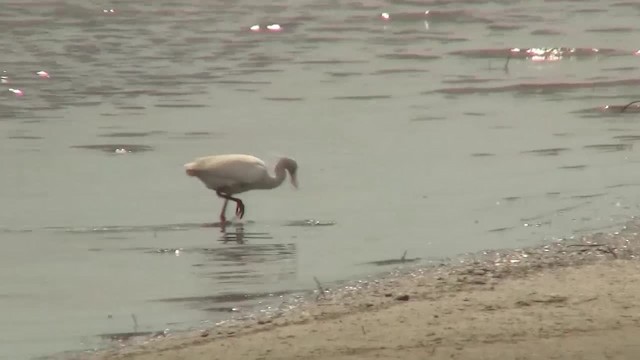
229	170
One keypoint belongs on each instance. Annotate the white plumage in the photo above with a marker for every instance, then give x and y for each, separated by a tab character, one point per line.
230	174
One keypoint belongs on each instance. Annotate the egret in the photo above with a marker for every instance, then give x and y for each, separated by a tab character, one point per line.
231	174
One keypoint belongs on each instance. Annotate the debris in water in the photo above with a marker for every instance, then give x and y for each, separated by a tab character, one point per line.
402	260
271	27
135	323
627	106
18	92
320	288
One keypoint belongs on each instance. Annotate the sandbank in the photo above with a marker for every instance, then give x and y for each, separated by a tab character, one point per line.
571	299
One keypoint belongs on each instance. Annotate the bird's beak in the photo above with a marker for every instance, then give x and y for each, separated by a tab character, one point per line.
294	180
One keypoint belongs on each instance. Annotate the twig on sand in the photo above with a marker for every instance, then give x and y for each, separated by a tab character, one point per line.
363	332
135	323
320	289
629	104
607	249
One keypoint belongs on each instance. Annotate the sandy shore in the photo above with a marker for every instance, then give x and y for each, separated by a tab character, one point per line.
574	299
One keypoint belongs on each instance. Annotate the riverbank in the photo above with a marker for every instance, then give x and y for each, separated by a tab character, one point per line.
573	299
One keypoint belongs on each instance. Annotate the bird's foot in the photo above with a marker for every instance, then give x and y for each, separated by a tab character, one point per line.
223	224
240	210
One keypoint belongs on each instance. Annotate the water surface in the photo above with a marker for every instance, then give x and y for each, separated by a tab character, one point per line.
413	133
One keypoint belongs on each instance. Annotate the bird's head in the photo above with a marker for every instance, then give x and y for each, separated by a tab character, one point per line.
292	168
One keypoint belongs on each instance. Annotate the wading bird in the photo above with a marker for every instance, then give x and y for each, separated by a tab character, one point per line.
231	174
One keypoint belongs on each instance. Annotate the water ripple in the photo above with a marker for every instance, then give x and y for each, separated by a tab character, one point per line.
540	88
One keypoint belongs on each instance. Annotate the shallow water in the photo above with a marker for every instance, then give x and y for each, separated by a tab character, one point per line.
411	135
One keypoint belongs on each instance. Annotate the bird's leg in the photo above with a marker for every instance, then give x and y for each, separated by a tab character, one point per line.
223	220
239	208
239	204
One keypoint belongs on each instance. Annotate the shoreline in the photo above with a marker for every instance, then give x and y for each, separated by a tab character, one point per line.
568	298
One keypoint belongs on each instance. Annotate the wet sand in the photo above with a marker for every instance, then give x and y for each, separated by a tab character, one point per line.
572	299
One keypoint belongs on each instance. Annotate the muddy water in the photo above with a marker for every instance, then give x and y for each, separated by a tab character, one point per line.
412	133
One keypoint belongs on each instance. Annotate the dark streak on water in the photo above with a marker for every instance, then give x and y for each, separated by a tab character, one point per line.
389	262
573	167
331	62
198	133
369	97
564	51
343	74
612	30
541	88
547	152
588	196
467	80
429	118
227	298
546	32
419	57
627	137
609	147
124	336
133	134
25	137
502	229
284	98
181	105
399	71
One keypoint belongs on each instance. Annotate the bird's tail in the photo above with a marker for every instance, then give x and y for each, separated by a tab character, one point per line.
190	168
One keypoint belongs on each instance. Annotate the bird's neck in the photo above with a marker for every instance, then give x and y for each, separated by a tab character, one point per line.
275	181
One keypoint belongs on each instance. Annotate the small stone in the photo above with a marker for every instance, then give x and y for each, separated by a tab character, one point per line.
388	295
204	333
479	272
403	298
477	281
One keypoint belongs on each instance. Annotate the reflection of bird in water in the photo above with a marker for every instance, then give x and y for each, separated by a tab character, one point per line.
236	173
239	235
